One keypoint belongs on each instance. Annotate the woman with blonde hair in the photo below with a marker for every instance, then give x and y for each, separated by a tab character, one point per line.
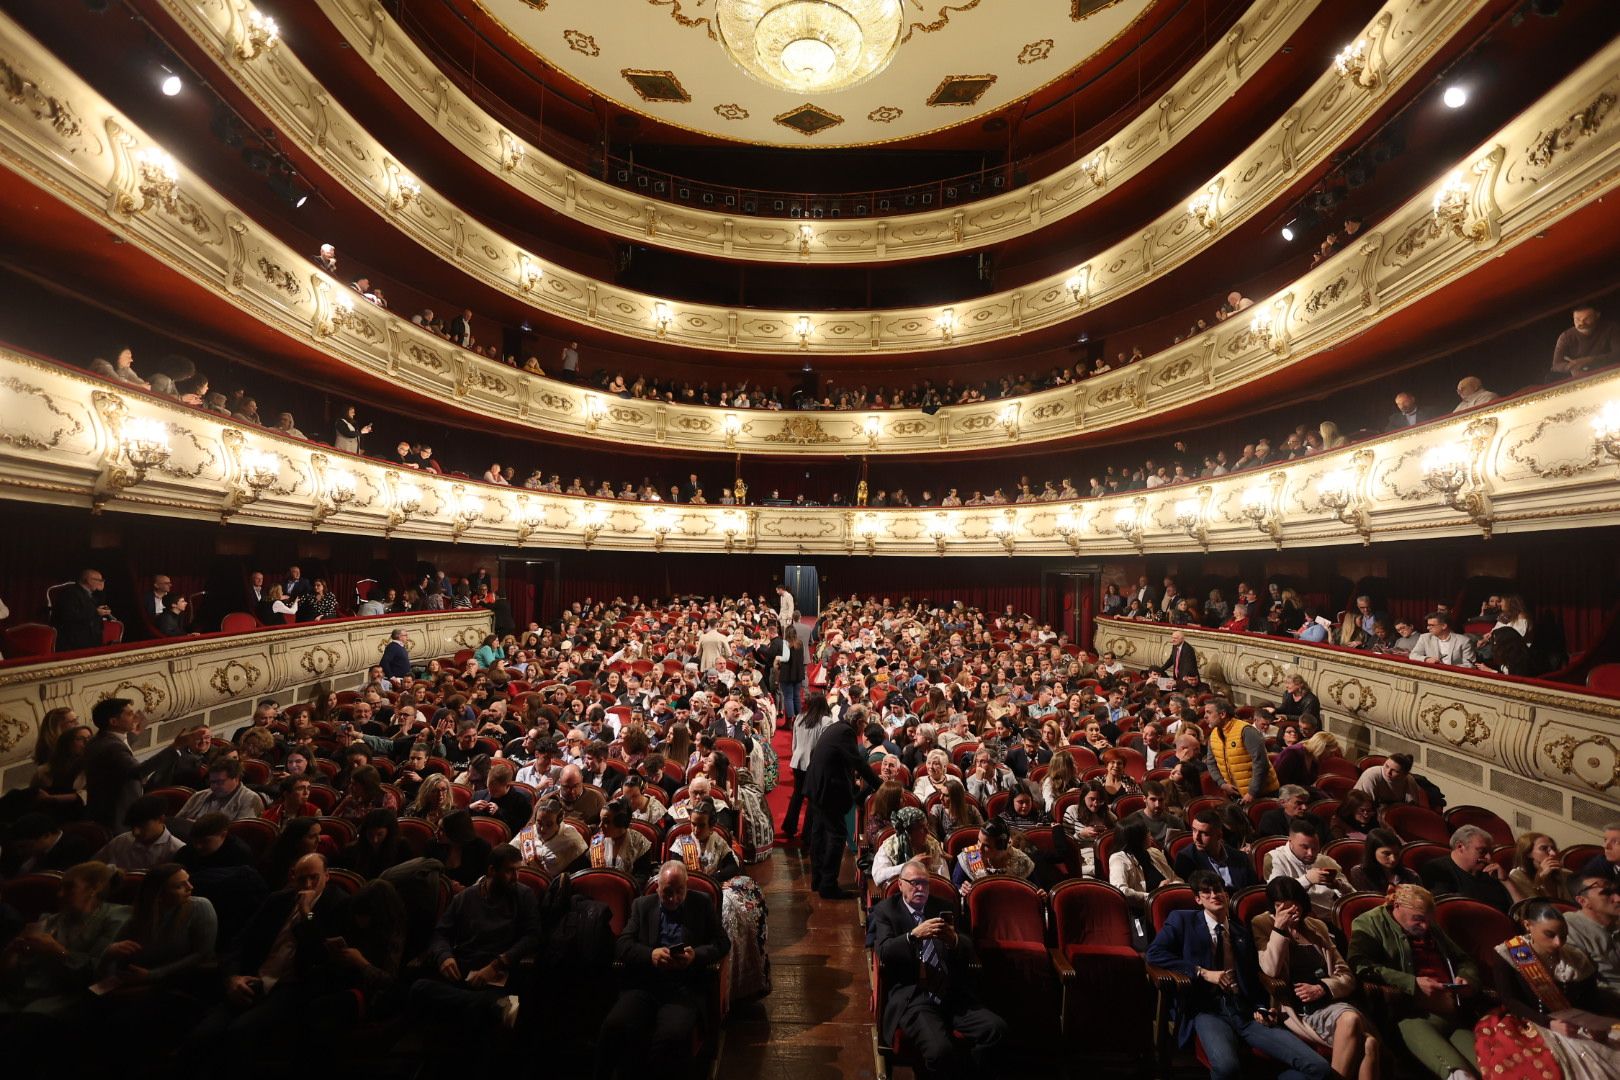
433	800
1332	437
1060	777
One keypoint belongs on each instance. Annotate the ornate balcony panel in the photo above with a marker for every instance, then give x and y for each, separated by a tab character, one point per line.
1549	162
1528	463
374	35
1521	746
214	678
1401	39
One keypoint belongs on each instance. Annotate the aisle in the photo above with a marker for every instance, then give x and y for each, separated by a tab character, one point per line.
814	1025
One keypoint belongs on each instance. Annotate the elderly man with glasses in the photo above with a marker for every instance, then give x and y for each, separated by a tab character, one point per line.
1595	931
925	971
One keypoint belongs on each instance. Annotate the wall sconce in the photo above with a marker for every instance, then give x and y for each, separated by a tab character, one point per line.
530	274
1205	206
941	528
1451	204
1008	419
733	525
806	234
803	328
403	188
1463	206
157	180
595	411
1068	526
867	527
1004	528
1606	431
591	519
259	34
511	152
465	512
1341	492
1351	63
946	324
872	427
530	516
1128	520
342	317
660	523
1076	283
337	488
257	470
135	446
1453	471
1190	517
1092	167
662	317
731	425
1259	506
407	500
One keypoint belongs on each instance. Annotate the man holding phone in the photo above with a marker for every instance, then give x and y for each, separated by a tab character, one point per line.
1226	1005
928	992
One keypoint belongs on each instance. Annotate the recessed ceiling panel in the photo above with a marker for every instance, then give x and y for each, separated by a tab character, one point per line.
815	73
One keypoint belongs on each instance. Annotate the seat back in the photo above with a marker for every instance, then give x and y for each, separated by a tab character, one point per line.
1006	910
1458	816
1249	902
33	896
734	750
1168	898
416	836
1413	823
1335	786
997	803
174	798
255	773
1476	927
346	880
1260	808
1126	805
112	631
1415	854
1350	907
1135	762
1346	852
960	840
258	834
238	622
1087	913
1338	766
612	887
1604	678
1578	855
535	879
324	796
1263	847
492	829
29	639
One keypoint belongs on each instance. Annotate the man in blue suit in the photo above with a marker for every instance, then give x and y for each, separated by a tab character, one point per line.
396	657
1210	851
1226	1006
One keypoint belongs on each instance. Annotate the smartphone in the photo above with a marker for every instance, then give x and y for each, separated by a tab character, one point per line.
948	917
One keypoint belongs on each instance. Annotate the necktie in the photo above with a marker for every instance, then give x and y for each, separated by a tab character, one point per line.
1219	939
929	955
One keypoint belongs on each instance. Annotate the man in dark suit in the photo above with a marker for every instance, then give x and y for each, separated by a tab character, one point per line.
830	784
1408	413
669	946
112	776
296	584
78	611
927	994
396	657
1225	1006
1468	870
1182	663
1210	852
1143	592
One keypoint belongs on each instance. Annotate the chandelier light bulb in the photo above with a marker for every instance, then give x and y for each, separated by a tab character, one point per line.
810	45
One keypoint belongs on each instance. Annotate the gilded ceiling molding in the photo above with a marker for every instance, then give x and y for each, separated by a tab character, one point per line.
175	680
1523	192
1562	738
258	478
1327	115
376	38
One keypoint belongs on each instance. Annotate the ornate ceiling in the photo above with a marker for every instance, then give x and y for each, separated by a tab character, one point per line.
956	60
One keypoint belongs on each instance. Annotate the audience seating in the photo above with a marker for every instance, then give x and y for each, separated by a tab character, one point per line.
612	887
258	834
1415	854
1578	855
1260	808
492	829
1092	935
174	798
1249	902
1476	927
238	622
1412	823
1007	918
1350	907
1264	846
416	835
1458	816
33	896
29	639
1347	852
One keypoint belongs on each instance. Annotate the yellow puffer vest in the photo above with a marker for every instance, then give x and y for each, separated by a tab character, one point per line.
1237	768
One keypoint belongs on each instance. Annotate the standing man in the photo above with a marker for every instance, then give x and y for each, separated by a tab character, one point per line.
713	645
830	784
1237	756
78	612
570	362
396	657
295	586
112	776
784	606
1182	664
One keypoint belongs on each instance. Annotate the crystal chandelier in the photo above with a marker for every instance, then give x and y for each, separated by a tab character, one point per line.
810	45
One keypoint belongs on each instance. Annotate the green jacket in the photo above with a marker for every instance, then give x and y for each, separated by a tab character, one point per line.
1381	953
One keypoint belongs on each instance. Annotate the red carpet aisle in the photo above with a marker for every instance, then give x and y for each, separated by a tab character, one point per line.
777	800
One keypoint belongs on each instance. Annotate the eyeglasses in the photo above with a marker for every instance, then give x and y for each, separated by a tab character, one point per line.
914	881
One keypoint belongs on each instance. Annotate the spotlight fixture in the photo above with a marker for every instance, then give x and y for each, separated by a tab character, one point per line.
1455	97
1288	232
170	84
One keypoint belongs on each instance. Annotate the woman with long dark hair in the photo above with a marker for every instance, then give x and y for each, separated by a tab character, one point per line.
807	729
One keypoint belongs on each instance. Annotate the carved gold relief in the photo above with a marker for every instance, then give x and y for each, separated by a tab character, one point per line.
731	111
12	732
960	90
1564	469
1455	723
1121	647
1035	51
801	431
1264	672
152	696
1594	760
319	660
234	677
656	85
1352	695
69	426
885	114
582	42
1546	146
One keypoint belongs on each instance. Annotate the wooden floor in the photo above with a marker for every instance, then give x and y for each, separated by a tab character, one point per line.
815	1024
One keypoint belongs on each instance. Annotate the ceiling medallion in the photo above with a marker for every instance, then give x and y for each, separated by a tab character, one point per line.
808	120
731	111
885	114
1036	51
810	45
656	85
961	89
582	42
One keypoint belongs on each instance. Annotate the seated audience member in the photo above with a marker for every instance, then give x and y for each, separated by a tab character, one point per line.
1294	801
1156	815
464	854
292	801
1313	982
501	800
582	802
1429	979
549	844
171	934
181	763
619	847
1442	645
45	969
36	844
375	847
926	969
953	810
148	841
1607	862
1210	851
1408	413
1022	812
909	841
669	947
706	848
1468	870
1548	993
226	795
224	871
1591	342
487	930
987	777
1471	394
1356	817
1380	869
1300	859
644	802
1084	822
1595	931
1225	1006
993	854
1136	867
365	793
1390	783
1538	870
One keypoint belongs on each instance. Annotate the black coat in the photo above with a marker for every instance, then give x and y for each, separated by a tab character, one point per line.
112	780
259	935
836	760
78	624
900	955
639	938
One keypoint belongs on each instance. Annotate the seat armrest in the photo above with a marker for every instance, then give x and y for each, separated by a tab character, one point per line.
1061	963
1165	978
